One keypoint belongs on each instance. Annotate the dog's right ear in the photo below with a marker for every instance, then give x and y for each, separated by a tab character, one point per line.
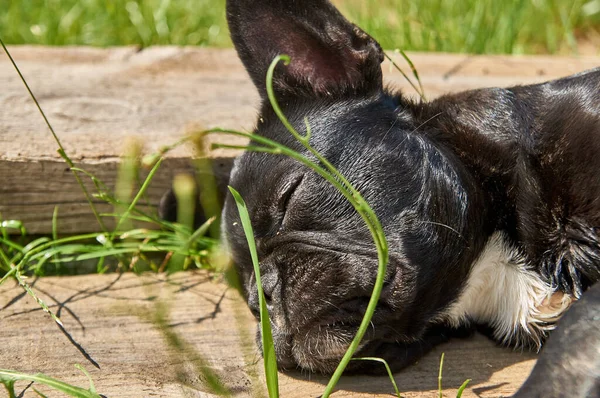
329	55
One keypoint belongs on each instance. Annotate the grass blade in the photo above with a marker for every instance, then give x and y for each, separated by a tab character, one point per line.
8	377
182	349
440	376
408	79
201	231
61	149
387	368
137	197
13	224
38	300
85	372
207	184
265	324
461	389
332	175
39	393
55	230
415	74
184	188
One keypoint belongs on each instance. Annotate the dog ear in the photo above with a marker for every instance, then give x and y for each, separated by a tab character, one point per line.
329	55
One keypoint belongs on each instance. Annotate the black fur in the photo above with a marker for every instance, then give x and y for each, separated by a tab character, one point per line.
441	176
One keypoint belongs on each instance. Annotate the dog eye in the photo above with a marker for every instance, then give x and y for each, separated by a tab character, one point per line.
284	200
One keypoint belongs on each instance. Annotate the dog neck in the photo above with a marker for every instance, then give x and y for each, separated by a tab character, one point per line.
503	293
488	131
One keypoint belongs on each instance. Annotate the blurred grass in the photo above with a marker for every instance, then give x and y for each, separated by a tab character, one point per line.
472	26
478	26
114	22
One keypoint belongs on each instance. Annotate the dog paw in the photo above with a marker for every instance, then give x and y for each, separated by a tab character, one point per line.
575	265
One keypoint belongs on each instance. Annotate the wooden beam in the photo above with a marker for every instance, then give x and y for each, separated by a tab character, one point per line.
97	98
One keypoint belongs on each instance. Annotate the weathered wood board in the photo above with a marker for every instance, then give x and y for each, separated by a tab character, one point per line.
96	98
108	328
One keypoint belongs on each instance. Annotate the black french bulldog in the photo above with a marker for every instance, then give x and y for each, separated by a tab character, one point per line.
490	199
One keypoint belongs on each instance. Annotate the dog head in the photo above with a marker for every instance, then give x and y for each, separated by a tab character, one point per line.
317	259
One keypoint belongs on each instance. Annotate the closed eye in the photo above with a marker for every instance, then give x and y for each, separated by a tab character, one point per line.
284	200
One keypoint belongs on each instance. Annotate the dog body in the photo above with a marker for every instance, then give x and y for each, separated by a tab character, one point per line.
490	199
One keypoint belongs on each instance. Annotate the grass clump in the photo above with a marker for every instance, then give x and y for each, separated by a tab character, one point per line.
115	22
478	26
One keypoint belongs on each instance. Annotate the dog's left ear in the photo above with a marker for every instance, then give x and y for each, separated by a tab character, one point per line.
329	55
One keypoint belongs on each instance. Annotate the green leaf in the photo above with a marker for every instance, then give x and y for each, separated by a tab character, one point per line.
85	372
36	243
14	224
104	253
460	391
269	357
387	368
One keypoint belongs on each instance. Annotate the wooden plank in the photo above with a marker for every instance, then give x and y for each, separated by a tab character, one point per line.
50	183
95	98
107	317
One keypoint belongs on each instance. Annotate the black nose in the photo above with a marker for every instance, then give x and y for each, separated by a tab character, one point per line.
271	286
270	282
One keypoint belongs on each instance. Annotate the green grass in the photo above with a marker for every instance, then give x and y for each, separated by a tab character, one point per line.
114	22
477	26
472	26
9	378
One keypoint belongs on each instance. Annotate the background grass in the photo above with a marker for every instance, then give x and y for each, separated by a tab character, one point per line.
473	26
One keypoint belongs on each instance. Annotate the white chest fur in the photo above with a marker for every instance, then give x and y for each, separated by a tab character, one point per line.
502	292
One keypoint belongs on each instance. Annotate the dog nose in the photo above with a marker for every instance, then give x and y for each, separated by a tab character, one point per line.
270	286
269	283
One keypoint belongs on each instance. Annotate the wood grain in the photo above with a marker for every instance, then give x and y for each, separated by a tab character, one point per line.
108	318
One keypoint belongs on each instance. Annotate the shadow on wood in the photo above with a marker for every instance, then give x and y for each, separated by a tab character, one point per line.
106	317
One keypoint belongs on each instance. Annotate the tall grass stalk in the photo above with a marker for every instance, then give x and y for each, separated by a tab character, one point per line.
61	149
333	176
360	205
270	361
207	185
440	395
138	196
462	388
419	90
387	369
